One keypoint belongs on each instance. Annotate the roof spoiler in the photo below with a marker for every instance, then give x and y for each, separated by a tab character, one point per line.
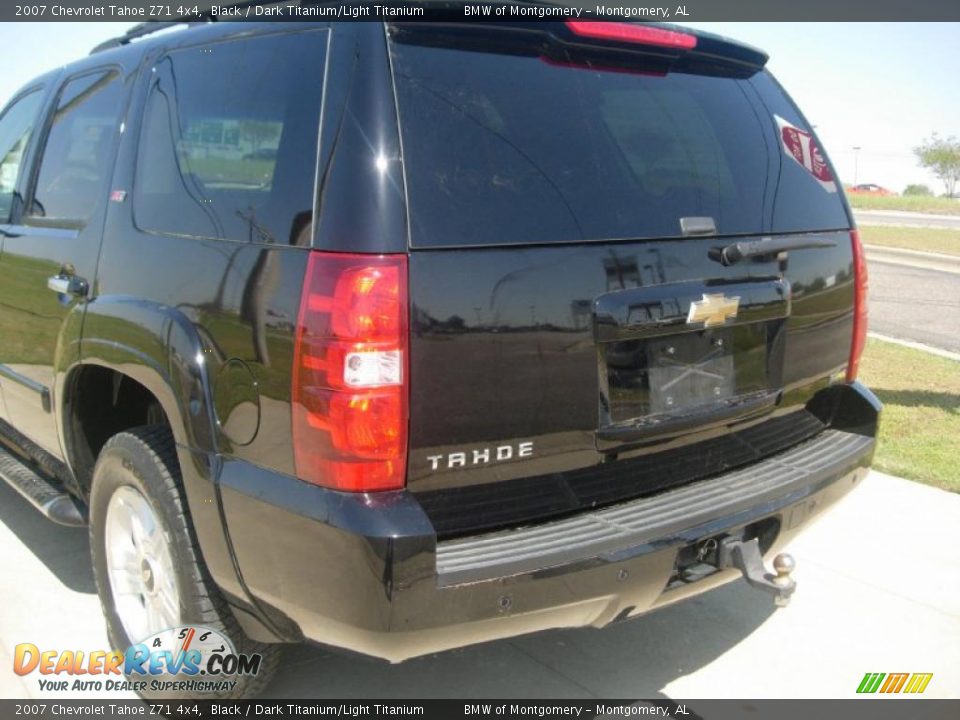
720	47
663	41
662	38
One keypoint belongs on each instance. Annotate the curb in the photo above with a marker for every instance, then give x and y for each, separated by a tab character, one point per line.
919	254
937	262
916	346
905	214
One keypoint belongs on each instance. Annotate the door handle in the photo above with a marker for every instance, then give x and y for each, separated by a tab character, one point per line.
67	285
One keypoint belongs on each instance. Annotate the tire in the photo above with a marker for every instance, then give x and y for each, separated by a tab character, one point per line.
138	471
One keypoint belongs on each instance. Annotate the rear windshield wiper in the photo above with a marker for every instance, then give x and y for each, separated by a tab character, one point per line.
765	247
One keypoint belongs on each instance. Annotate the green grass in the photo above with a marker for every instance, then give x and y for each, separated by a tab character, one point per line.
926	239
252	173
920	425
935	205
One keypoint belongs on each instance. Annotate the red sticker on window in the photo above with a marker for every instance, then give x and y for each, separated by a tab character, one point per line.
802	147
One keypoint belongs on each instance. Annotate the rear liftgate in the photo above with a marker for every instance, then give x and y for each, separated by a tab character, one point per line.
688	356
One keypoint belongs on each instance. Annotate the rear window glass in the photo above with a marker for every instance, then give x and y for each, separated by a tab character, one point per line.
505	149
228	145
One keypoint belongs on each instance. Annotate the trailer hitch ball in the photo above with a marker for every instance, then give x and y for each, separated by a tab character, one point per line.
745	556
783	565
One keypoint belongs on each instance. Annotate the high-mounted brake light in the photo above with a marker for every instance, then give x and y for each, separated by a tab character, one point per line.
349	393
625	32
859	306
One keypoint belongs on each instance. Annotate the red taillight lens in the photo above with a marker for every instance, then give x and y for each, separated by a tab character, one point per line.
624	32
859	306
349	393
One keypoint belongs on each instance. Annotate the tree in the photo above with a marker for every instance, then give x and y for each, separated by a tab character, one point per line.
942	157
918	191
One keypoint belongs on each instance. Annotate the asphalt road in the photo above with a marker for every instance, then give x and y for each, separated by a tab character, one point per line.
906	219
878	590
914	303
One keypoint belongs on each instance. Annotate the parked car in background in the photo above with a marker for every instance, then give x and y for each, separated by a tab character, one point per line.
871	189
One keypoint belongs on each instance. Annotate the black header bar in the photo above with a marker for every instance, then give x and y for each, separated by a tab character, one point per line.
879	709
447	10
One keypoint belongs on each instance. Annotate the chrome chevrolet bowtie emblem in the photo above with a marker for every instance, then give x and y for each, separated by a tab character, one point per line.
713	310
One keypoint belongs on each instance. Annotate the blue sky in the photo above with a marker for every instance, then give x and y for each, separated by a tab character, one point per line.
880	86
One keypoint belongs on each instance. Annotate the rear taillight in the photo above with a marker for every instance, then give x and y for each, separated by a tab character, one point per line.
349	392
859	306
627	33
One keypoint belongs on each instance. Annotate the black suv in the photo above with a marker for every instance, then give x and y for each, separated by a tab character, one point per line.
402	337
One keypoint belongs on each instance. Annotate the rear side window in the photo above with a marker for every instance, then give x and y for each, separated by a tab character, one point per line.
799	204
16	125
76	161
229	137
511	149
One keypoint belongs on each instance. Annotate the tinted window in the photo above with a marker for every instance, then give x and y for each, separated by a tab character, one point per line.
76	166
15	127
514	149
228	145
800	201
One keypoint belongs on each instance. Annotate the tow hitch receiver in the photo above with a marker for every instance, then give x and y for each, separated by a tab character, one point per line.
745	556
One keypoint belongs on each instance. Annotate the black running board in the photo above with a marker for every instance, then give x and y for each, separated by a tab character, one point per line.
46	495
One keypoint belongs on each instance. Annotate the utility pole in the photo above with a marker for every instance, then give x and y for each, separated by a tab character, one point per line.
856	163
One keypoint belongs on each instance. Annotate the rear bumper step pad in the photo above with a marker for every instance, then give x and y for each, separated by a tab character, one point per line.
653	519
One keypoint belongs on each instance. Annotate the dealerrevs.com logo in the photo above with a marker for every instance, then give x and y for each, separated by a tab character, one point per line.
191	658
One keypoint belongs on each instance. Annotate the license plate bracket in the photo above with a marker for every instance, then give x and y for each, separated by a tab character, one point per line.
668	376
679	373
689	371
